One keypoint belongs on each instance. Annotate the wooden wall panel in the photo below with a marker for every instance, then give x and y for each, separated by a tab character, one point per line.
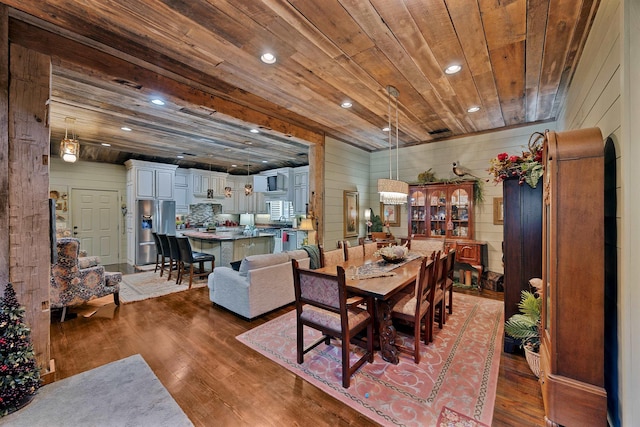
29	265
4	147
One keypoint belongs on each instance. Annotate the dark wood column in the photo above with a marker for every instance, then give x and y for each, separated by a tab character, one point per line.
522	245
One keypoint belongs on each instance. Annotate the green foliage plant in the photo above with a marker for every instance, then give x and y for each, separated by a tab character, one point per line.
525	326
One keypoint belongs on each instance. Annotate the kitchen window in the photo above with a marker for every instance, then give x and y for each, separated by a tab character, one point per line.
280	209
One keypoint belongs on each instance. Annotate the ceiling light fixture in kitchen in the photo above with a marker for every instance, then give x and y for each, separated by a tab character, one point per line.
393	191
69	148
248	188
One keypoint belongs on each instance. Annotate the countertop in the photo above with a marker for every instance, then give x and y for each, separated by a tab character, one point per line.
206	235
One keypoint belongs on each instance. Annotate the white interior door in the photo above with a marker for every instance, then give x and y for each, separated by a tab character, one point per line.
95	219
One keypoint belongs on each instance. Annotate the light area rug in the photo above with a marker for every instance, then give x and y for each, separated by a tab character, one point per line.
141	286
122	393
459	370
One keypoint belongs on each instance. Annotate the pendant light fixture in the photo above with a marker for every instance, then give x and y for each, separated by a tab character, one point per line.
393	191
248	188
69	148
210	191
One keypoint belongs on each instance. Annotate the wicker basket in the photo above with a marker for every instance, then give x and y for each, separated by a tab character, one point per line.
533	359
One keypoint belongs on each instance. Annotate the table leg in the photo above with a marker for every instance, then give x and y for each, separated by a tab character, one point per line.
388	348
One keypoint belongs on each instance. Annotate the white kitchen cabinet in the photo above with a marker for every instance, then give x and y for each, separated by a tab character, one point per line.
228	203
151	180
182	190
239	202
300	190
260	204
208	185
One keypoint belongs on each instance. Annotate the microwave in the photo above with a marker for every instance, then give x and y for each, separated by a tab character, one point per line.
276	182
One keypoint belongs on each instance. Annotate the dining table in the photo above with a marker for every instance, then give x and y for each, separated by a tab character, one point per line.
381	281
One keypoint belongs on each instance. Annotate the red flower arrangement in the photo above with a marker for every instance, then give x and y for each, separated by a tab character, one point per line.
527	167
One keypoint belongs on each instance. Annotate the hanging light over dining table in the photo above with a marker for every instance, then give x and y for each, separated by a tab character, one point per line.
393	191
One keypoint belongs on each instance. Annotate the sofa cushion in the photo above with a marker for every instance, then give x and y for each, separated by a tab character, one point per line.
258	261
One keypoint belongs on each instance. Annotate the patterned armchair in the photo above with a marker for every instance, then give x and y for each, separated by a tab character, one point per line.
75	280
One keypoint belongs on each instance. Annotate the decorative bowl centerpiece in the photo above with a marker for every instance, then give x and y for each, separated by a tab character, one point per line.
393	254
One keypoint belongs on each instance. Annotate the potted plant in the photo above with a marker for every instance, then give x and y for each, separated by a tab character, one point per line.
525	326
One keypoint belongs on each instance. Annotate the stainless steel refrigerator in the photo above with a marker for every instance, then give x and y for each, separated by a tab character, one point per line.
153	216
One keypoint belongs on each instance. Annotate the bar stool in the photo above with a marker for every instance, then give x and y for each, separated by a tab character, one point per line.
188	259
166	251
174	261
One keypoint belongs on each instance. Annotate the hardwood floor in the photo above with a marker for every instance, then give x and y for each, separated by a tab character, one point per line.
191	347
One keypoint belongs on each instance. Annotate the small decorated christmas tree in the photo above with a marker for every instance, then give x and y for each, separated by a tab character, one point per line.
19	373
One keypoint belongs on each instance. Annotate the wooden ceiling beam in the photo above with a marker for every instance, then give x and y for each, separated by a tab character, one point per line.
116	68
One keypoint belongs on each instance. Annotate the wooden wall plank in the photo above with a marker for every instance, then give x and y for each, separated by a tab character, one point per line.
29	262
4	147
556	51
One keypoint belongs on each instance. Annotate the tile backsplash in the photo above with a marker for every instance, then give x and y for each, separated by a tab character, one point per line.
204	213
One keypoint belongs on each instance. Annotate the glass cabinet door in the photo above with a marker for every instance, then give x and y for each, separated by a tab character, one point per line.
437	199
417	211
458	226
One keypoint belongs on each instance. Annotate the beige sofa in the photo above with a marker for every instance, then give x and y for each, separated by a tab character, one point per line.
262	284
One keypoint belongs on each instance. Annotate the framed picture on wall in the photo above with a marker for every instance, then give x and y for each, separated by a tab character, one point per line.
390	214
498	211
351	214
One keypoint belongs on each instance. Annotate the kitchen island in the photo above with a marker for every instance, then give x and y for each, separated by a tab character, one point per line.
228	247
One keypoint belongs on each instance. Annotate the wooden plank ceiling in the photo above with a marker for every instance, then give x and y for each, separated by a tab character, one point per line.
203	59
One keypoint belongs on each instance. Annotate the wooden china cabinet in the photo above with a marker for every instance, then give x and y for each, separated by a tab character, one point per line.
445	211
441	210
573	261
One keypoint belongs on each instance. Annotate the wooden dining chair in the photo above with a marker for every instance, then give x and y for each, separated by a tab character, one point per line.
414	308
369	249
354	253
451	261
331	258
321	304
436	295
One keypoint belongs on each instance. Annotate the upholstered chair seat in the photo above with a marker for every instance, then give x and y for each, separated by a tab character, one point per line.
71	284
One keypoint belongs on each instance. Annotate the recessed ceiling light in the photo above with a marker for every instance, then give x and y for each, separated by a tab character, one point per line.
126	129
254	131
452	69
265	161
386	129
346	104
104	144
180	156
157	101
473	109
268	58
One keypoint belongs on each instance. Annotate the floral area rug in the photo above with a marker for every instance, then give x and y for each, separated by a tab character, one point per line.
141	286
458	371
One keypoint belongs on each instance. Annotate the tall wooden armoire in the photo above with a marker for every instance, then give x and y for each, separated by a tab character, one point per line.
522	244
573	260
